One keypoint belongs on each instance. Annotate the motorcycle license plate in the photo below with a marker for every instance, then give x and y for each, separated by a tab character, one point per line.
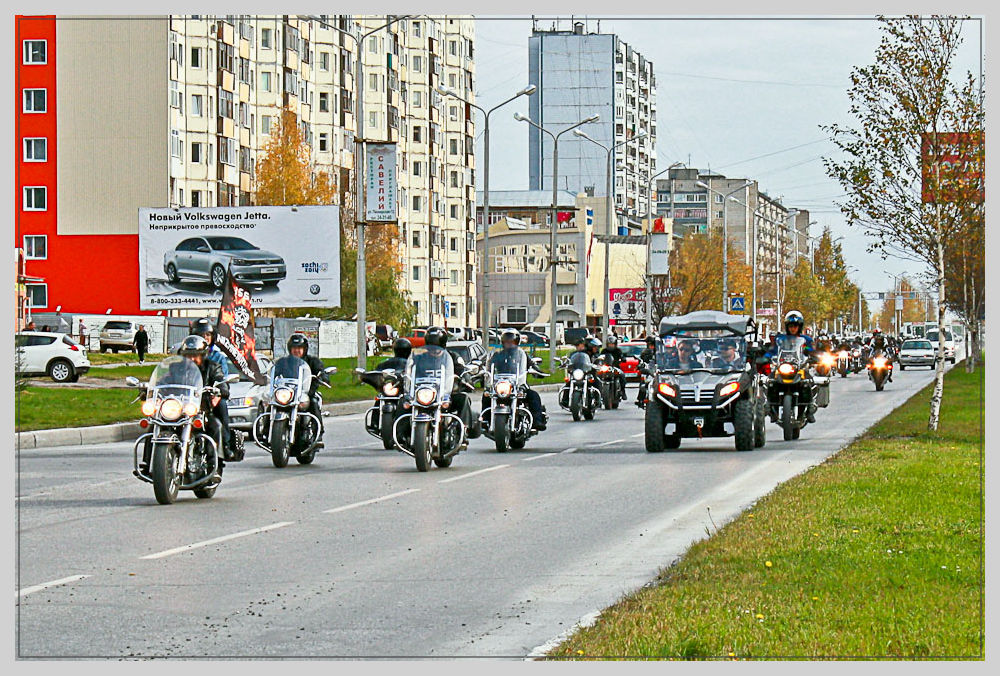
269	270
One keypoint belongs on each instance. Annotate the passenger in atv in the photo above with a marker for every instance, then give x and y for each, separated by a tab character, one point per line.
685	360
729	356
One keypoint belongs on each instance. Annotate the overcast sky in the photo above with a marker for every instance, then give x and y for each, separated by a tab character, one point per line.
727	92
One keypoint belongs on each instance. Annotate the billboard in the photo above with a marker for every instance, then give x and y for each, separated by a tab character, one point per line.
380	189
659	262
284	256
958	158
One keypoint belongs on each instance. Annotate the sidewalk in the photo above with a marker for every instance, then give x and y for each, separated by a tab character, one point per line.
129	431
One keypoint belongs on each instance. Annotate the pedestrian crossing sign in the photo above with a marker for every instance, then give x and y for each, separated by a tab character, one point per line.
737	304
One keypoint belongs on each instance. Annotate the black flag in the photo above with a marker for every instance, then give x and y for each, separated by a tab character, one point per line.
234	330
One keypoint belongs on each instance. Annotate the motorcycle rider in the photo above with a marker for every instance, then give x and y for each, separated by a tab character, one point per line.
612	350
794	323
646	357
401	349
195	348
460	404
206	329
509	339
298	346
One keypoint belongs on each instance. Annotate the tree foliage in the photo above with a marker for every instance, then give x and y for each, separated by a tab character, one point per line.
905	100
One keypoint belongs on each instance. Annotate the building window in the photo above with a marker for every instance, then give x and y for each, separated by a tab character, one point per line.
35	247
265	124
718	199
453	244
197	105
418	98
34	100
175	143
176	101
324	61
34	52
323	142
196	153
416	238
418	64
266	38
565	299
416	168
324	102
453	47
373	82
227	151
196	198
454	211
454	179
718	214
517	315
454	277
373	119
38	295
417	134
35	198
416	29
416	273
536	298
196	57
265	80
35	149
225	104
416	203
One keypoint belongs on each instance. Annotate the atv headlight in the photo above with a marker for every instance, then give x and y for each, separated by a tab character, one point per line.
730	388
283	396
390	389
504	388
425	396
787	369
667	390
170	409
577	374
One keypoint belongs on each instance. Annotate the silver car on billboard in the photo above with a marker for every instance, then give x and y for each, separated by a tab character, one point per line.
206	259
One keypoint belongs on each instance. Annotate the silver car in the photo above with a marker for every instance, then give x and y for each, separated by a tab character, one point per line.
244	396
916	353
208	258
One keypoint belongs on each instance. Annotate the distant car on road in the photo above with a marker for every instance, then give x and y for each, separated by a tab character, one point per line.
630	359
916	352
118	335
949	343
244	395
206	259
53	354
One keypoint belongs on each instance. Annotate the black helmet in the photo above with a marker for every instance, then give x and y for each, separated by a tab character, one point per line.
794	317
436	336
298	340
510	334
650	341
202	327
193	346
401	348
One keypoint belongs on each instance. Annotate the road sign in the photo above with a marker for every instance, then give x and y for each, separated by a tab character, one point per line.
737	304
447	309
899	302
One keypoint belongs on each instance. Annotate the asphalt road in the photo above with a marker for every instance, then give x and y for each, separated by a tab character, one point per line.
361	555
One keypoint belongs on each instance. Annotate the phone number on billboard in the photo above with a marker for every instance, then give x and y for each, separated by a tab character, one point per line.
178	301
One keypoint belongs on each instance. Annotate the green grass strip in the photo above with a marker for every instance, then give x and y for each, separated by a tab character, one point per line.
875	554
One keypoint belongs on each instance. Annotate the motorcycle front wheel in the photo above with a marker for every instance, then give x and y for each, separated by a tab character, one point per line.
787	423
501	432
576	405
163	469
385	430
422	445
279	443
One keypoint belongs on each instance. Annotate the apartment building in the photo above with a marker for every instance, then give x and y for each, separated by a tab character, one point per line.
404	65
579	73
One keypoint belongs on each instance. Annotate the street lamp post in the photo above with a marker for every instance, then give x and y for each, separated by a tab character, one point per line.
611	215
553	224
484	305
725	236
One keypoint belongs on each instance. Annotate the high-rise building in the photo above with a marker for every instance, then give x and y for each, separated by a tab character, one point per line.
404	66
578	74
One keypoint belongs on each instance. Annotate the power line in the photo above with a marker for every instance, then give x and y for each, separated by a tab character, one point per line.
776	152
765	82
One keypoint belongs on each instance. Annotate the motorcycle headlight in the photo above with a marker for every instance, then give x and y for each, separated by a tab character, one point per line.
283	396
504	388
171	409
667	390
604	369
577	374
729	389
190	409
827	360
787	369
879	362
425	396
148	407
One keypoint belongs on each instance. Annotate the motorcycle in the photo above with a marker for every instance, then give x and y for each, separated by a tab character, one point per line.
389	385
184	454
879	370
790	388
580	395
608	382
843	363
857	360
287	428
427	431
825	363
507	421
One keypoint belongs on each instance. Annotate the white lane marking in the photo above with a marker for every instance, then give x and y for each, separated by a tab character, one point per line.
587	620
637	435
46	585
608	443
466	476
205	543
369	502
536	457
568	450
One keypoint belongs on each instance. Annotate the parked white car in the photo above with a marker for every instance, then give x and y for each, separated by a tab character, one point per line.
53	354
949	343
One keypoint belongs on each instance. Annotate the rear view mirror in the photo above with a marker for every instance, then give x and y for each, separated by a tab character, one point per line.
359	371
472	369
132	380
536	360
333	369
232	378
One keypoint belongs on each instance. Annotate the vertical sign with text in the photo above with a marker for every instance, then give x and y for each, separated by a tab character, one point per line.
380	193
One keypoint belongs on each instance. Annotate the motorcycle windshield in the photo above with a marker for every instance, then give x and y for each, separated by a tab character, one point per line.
290	372
791	349
509	364
430	366
178	376
709	350
580	360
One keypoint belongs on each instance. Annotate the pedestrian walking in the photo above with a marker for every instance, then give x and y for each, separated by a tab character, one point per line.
83	334
141	342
